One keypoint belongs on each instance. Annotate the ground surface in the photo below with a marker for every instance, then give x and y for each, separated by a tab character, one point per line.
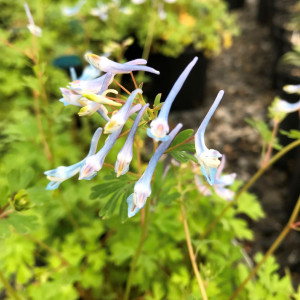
244	72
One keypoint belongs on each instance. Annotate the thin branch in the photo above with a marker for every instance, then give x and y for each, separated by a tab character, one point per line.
273	247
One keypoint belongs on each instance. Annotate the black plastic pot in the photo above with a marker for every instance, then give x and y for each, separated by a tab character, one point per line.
235	4
265	11
191	94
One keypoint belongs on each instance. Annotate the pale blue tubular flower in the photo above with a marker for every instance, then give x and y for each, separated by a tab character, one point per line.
92	107
142	188
137	1
283	106
95	85
62	173
125	155
93	164
101	11
208	158
221	182
159	126
72	11
119	119
35	30
92	86
161	11
70	97
89	72
292	89
106	65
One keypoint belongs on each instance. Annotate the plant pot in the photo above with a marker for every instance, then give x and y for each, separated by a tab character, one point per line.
192	92
235	4
265	11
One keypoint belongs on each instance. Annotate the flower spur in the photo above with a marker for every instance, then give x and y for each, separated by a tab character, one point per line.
95	85
106	65
159	127
62	173
208	158
35	30
142	188
125	155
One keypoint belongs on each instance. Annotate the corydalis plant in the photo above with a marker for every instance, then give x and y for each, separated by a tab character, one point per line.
208	158
91	94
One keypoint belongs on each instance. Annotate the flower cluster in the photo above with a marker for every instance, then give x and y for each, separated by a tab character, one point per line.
89	92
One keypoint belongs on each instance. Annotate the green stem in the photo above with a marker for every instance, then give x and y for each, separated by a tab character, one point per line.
191	253
138	252
149	38
180	144
274	246
270	145
253	179
9	288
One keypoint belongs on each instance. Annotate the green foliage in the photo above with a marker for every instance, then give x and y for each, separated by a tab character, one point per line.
76	242
181	147
292	134
265	132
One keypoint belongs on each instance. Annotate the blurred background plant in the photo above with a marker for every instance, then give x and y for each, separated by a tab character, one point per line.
76	242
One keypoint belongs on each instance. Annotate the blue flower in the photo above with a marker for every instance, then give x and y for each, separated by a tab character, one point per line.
119	119
282	106
159	126
208	158
62	173
106	65
89	73
125	155
93	164
292	89
71	11
92	86
142	188
35	30
70	97
220	184
100	11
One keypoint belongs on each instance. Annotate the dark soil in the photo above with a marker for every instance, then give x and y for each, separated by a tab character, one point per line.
245	73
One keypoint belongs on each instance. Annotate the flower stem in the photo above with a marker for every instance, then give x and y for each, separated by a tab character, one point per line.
149	38
252	180
138	251
180	144
9	288
270	146
122	87
37	112
273	247
191	253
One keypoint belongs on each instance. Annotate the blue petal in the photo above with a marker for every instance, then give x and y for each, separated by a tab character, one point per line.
163	139
53	185
132	209
62	100
211	176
